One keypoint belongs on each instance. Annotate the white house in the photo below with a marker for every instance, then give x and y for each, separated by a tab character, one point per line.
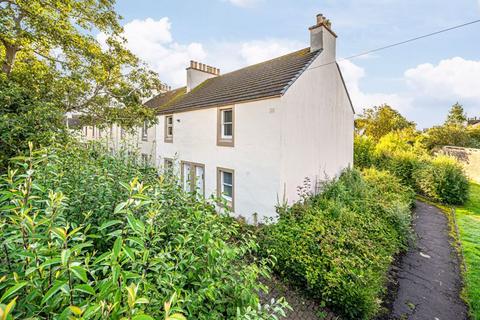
253	136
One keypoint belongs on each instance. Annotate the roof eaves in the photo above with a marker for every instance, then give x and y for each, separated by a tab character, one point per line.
300	72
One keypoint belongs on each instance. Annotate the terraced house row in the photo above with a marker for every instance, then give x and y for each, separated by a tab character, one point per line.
255	135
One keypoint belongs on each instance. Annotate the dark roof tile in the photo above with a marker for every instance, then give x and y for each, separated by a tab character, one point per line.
267	79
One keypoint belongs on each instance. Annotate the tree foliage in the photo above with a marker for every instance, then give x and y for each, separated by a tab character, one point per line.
381	120
456	116
454	132
47	47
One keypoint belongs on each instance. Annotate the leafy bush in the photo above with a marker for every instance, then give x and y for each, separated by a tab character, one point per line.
443	180
363	151
439	178
402	164
137	252
339	244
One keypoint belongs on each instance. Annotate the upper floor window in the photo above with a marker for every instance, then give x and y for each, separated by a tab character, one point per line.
169	128
225	127
145	131
122	133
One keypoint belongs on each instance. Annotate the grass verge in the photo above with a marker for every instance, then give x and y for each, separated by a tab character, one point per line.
468	220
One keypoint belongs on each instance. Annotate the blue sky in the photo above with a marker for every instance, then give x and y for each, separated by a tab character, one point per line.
421	79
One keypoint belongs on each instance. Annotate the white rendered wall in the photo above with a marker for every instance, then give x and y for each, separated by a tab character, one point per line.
255	158
317	127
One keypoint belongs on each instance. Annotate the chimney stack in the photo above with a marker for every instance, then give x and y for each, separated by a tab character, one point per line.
198	73
322	37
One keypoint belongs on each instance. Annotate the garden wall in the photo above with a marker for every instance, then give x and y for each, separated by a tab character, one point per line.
468	157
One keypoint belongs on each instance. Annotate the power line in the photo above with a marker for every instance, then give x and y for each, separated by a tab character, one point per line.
399	43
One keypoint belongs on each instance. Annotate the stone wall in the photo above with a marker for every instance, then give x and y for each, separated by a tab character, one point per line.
470	158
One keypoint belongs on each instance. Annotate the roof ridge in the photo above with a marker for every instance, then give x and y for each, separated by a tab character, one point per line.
262	62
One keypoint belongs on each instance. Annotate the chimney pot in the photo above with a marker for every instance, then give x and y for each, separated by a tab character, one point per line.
320	19
198	73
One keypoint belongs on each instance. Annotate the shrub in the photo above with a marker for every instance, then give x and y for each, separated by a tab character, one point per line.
401	154
339	245
402	164
363	152
443	180
157	253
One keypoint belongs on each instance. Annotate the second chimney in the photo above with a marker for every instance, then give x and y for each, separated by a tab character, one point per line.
322	37
198	73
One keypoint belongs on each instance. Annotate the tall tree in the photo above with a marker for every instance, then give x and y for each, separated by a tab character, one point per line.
456	115
48	47
380	120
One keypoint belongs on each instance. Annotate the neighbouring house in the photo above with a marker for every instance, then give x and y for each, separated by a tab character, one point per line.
474	122
258	136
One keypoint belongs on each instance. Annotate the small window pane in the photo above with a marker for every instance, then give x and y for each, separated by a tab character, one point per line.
227	178
227	130
227	116
186	177
228	191
169	131
170	120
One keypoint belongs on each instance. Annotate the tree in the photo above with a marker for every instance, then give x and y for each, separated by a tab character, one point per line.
380	120
456	115
47	47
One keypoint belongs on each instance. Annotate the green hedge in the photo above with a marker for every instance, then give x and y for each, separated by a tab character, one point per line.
443	180
439	178
87	235
339	245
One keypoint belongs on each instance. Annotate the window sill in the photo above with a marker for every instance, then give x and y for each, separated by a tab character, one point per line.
225	143
168	140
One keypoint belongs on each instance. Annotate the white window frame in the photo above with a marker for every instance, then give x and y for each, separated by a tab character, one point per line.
144	131
221	187
168	137
223	139
192	183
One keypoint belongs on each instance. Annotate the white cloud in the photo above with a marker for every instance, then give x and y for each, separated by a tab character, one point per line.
243	3
230	56
353	76
455	78
257	51
429	91
152	41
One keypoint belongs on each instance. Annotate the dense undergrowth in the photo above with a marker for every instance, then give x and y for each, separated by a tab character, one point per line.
439	178
338	245
85	235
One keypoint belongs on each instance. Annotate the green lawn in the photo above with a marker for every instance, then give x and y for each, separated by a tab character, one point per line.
468	219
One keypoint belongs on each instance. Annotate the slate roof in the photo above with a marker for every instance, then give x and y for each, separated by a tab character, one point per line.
264	80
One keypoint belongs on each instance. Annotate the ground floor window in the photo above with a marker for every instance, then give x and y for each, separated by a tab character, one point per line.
226	185
168	164
193	177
